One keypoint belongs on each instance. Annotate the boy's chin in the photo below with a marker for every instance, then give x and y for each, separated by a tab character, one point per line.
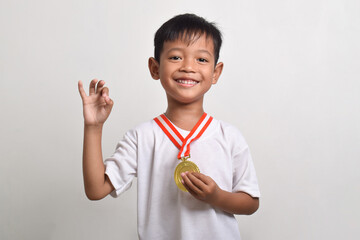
188	100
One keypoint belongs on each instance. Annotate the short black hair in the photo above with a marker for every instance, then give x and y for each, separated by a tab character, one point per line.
187	26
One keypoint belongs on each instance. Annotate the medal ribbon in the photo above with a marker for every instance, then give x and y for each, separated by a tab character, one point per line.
183	144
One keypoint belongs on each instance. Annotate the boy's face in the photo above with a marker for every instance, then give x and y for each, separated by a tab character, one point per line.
186	69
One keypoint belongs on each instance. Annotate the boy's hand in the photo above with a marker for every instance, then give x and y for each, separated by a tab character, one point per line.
202	187
205	189
97	106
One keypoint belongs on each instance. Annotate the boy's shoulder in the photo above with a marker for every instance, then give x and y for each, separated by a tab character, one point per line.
229	132
141	127
144	129
144	125
227	127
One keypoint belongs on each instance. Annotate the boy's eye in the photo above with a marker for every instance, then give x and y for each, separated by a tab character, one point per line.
175	58
202	60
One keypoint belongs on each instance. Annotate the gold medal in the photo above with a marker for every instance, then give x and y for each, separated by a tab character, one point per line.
183	144
184	166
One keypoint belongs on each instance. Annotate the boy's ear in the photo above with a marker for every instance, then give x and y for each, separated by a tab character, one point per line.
154	68
217	72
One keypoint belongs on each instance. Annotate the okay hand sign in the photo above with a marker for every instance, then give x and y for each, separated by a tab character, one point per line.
97	106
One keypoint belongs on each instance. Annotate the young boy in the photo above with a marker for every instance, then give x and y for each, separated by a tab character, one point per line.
214	173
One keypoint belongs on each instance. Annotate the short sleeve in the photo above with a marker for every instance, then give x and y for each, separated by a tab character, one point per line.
244	175
121	167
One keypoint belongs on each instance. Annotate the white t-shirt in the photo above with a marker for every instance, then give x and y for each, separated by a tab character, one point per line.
166	212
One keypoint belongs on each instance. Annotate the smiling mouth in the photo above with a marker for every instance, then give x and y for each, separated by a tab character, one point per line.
187	82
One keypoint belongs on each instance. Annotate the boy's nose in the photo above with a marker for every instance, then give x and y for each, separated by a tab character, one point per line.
188	66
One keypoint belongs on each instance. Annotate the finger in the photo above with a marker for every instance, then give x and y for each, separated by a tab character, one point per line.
201	185
205	179
92	86
185	185
99	86
105	92
189	184
81	89
191	191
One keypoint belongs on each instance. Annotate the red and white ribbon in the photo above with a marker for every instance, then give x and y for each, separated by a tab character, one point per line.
183	143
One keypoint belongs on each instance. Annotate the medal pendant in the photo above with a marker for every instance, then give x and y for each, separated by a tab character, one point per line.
183	144
184	166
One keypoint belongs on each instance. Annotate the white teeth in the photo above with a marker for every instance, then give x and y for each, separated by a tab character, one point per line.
189	82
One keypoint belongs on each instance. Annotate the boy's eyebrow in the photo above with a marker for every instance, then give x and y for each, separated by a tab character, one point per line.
205	51
174	49
200	50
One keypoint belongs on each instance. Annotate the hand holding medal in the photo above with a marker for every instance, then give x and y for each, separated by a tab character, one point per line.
202	187
183	144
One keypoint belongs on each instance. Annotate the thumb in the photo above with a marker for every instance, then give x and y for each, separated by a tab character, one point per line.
105	95
109	103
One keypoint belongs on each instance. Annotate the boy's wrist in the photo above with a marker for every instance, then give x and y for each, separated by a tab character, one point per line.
93	127
218	198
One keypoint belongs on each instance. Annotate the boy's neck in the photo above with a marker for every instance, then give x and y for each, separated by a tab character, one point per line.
184	117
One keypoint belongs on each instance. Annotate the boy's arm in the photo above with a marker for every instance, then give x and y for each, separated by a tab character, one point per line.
96	109
205	189
97	184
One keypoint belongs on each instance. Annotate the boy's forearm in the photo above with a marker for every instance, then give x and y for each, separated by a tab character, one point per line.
236	203
93	166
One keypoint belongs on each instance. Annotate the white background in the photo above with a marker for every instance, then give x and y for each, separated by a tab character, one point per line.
291	84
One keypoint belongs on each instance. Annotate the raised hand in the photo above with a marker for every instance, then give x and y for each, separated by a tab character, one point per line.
97	106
